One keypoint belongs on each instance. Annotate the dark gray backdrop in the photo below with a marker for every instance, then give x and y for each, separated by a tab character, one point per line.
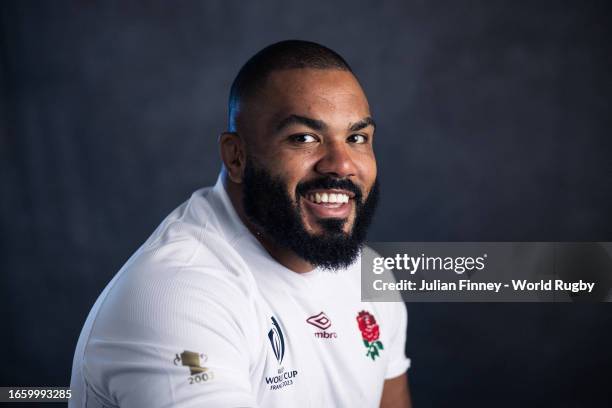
494	122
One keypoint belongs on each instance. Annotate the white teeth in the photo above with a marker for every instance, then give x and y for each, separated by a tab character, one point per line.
328	198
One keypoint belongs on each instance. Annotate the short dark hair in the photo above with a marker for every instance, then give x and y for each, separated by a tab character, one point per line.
289	54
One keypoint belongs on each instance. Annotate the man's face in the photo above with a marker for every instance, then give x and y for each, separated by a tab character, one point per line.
310	177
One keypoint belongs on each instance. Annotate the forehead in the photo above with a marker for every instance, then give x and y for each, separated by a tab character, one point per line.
328	94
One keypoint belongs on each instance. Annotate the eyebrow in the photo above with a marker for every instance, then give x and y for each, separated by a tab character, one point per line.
319	125
301	120
362	124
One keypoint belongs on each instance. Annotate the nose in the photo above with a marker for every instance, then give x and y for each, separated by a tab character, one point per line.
336	161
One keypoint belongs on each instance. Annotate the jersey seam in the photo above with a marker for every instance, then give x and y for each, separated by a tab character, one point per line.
168	225
196	250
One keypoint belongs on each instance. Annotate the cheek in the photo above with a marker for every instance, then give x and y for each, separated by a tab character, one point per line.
368	172
292	173
290	182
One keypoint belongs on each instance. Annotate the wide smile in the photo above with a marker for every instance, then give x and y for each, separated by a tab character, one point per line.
329	203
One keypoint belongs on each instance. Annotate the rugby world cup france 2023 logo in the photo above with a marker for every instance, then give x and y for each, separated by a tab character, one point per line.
370	333
277	341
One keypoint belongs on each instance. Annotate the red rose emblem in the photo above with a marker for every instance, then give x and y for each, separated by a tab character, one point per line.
368	326
370	334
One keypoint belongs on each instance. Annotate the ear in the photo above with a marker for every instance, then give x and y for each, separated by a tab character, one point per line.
233	155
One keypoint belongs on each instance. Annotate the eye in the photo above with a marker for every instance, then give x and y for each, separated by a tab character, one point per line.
303	138
358	139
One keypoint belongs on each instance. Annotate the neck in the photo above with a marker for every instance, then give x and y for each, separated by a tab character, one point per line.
284	256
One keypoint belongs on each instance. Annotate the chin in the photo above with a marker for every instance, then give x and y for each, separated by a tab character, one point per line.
319	229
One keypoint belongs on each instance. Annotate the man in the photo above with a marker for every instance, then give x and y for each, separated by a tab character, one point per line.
248	294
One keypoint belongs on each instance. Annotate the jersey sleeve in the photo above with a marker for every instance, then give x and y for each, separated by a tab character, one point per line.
398	362
177	339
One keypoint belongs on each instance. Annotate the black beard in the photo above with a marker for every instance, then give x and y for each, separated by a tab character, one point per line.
268	205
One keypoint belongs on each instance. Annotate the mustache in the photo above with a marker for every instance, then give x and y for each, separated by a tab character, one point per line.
325	183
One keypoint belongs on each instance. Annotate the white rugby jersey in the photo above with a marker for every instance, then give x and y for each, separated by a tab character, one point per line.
202	316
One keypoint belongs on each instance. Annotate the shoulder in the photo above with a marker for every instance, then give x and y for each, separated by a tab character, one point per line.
186	289
195	244
186	272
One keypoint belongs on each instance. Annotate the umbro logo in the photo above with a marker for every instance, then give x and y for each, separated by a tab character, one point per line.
321	321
